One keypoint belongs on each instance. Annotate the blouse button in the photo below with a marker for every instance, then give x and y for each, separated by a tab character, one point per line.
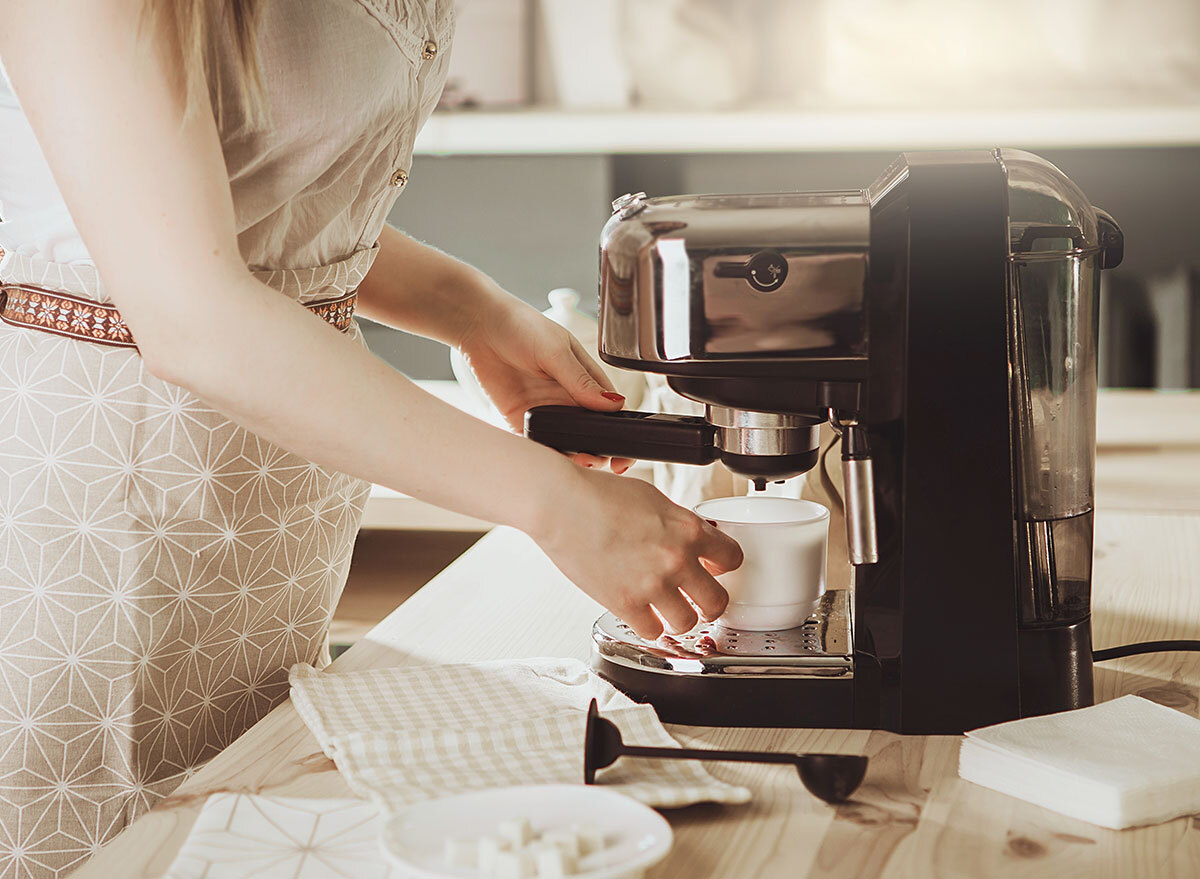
399	178
430	50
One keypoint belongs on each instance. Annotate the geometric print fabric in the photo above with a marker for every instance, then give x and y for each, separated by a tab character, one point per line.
160	570
242	836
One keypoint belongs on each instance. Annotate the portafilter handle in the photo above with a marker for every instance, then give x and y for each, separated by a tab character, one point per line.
647	436
858	492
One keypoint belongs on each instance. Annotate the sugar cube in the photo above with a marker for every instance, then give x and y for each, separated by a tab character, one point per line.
513	865
517	831
552	862
461	852
590	839
490	849
563	840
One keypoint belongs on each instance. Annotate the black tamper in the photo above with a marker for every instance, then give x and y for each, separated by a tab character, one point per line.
831	777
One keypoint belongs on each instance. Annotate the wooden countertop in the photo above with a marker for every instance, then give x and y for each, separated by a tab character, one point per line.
912	817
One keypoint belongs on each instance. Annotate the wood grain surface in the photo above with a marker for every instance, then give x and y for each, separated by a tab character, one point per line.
912	817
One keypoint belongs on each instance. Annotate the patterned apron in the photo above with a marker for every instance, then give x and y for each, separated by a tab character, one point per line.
160	567
160	570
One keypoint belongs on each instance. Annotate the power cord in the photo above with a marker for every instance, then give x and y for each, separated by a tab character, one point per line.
1143	647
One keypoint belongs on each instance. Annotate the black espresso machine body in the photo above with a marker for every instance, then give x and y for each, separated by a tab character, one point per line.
943	321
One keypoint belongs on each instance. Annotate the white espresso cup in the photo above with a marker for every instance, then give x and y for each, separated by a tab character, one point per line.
785	542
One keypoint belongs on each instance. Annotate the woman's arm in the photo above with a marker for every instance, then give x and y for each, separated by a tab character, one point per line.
520	357
149	193
415	287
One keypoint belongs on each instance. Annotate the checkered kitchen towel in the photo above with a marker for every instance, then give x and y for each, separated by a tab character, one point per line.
401	735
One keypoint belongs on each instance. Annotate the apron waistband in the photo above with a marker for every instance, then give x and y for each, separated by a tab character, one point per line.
22	305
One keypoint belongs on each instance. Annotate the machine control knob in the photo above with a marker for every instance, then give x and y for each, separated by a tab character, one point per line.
629	204
765	271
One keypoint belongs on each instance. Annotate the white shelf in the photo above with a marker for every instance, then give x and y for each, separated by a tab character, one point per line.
542	131
392	511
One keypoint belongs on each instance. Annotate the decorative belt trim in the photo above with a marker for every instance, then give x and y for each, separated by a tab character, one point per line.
66	315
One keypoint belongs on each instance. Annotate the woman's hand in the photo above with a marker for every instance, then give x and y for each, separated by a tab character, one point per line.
520	357
646	559
523	359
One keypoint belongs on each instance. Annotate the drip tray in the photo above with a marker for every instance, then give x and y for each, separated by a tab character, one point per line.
820	646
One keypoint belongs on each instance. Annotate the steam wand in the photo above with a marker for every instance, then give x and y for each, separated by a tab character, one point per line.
858	490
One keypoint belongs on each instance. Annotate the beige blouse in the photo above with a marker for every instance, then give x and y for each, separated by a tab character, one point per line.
311	188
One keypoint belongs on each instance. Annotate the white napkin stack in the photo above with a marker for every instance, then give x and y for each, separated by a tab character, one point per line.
403	735
1123	763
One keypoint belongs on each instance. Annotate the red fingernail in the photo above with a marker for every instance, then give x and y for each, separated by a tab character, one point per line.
622	470
712	522
611	395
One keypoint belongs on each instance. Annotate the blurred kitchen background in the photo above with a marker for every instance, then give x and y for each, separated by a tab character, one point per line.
555	107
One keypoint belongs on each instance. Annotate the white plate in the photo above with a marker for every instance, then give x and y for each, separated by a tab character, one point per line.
635	836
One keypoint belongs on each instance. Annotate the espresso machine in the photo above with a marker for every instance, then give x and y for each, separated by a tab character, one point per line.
943	321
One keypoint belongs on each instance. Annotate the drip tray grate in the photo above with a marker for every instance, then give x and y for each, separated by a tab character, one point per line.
819	646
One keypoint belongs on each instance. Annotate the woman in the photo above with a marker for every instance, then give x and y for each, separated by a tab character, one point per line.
177	517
